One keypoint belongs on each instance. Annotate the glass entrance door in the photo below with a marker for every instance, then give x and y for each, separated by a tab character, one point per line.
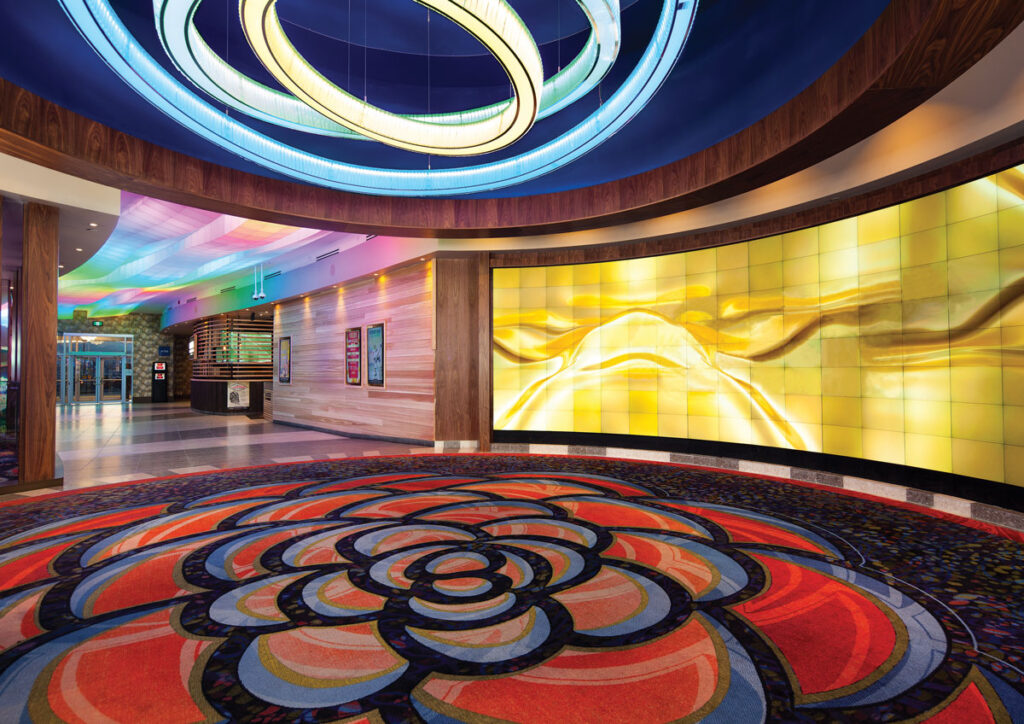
94	368
112	378
85	379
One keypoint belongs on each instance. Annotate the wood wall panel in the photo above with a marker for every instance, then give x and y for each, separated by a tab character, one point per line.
456	373
484	347
983	164
268	401
915	48
318	396
212	396
38	427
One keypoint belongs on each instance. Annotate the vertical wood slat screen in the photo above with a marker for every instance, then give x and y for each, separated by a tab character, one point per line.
233	349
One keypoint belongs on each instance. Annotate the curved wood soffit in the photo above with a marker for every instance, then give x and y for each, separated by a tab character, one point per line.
913	50
983	164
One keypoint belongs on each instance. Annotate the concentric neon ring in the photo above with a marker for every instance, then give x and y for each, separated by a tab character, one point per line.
102	28
494	23
210	73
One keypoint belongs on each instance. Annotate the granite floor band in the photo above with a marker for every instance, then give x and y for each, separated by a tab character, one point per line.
105	444
936	501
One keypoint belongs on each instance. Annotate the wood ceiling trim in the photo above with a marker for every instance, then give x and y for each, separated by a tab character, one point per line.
913	50
983	164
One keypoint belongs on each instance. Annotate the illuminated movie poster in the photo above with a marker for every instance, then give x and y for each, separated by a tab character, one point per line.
238	395
375	355
897	336
284	360
353	355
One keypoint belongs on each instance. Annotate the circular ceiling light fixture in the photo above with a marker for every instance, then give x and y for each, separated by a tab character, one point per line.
493	22
103	29
175	26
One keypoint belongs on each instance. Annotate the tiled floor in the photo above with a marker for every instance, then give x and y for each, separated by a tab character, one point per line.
100	444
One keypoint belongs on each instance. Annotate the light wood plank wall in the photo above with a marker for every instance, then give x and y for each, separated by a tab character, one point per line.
318	396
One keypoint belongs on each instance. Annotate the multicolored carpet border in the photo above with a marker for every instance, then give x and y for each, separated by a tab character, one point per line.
525	588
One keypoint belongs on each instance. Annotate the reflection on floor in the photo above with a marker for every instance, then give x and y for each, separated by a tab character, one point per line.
100	444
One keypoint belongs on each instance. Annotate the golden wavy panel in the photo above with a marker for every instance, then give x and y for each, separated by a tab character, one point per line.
896	336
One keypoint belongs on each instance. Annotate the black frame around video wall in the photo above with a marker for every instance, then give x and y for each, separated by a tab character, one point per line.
991	492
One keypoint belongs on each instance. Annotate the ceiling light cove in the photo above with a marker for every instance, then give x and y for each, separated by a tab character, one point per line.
316	105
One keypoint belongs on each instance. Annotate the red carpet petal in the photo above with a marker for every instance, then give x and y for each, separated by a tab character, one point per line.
18	619
529	491
660	681
157	578
747	530
417	486
90	523
622	513
149	675
969	706
34	563
620	487
689	569
832	636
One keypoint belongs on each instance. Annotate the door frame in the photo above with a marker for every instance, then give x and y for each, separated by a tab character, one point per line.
69	354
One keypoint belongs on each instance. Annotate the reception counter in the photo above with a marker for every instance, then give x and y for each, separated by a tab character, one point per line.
227	397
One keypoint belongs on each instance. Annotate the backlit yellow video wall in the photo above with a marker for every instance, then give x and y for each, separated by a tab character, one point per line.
895	336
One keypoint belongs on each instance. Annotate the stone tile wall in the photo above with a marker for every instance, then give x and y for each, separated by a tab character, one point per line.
145	328
182	381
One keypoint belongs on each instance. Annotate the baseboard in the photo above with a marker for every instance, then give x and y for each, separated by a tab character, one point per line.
213	412
990	492
34	485
359	436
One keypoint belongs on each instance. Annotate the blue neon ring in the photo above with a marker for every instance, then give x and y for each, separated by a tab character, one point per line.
103	30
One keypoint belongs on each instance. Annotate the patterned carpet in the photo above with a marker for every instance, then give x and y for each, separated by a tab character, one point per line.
481	588
8	461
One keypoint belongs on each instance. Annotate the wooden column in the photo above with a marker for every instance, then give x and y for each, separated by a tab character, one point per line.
455	360
38	290
462	362
484	347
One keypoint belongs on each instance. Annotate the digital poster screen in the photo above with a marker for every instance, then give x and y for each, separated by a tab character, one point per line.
354	356
895	336
284	360
375	355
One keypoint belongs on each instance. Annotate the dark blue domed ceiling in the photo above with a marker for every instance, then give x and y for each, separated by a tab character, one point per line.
742	59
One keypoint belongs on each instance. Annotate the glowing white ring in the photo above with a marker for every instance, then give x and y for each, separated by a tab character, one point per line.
101	27
210	73
493	22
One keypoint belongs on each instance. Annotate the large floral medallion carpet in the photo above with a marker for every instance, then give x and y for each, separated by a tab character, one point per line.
481	588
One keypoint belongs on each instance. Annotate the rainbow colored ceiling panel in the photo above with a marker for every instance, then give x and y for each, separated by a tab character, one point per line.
159	248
